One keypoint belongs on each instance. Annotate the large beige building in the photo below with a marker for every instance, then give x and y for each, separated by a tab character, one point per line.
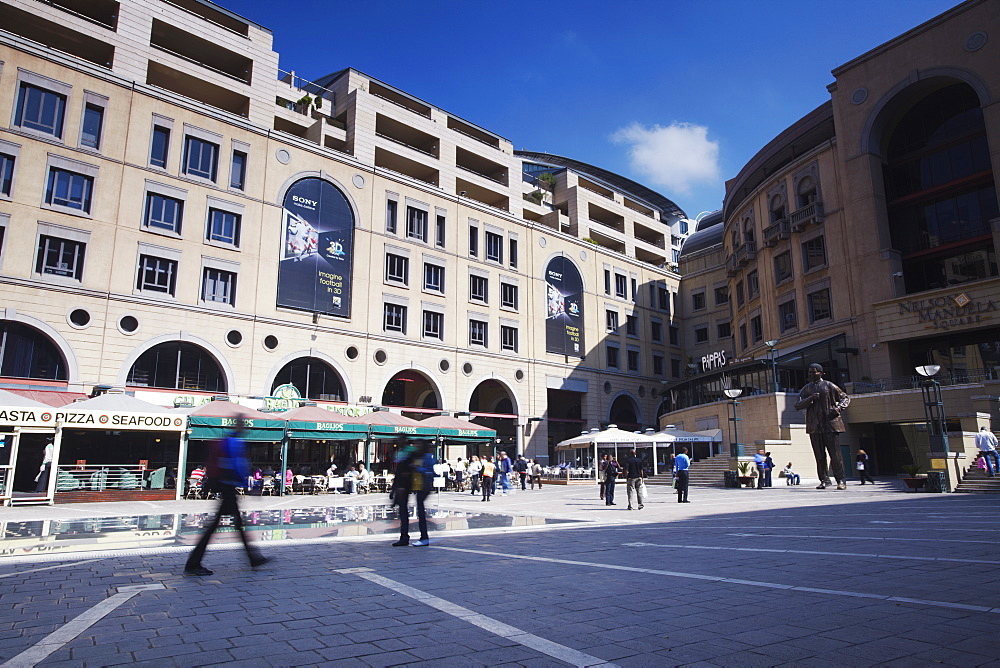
865	238
182	219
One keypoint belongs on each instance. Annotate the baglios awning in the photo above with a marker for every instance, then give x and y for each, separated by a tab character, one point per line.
320	424
212	420
455	430
383	424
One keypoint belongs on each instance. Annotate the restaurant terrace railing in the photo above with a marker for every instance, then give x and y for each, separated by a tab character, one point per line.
955	377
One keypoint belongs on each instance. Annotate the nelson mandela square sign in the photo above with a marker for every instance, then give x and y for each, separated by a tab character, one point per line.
314	273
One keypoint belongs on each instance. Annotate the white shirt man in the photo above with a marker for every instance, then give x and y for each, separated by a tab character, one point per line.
987	444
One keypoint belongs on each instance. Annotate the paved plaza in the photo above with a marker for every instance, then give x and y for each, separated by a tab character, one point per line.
784	576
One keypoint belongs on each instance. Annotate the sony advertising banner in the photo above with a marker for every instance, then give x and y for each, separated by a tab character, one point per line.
317	235
564	309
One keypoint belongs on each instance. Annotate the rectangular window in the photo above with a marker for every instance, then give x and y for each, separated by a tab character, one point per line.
675	368
218	286
721	296
756	329
478	333
201	158
633	359
159	147
416	224
439	231
612	357
621	286
394	318
69	189
739	293
93	123
164	213
611	320
723	330
656	331
238	171
634	285
782	267
473	241
224	226
675	336
607	281
494	247
40	110
60	257
479	288
813	254
819	305
663	296
390	216
786	316
433	277
632	325
6	173
743	337
508	296
508	338
157	274
698	301
433	325
397	268
701	335
512	244
657	365
753	285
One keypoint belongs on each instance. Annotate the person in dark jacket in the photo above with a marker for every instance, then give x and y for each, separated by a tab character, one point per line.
228	470
611	472
414	474
634	474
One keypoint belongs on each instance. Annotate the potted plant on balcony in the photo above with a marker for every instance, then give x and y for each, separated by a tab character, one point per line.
912	481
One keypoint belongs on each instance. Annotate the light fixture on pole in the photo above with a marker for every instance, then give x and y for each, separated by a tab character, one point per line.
772	353
735	447
937	425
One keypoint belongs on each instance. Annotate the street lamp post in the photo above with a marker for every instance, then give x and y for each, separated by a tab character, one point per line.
933	405
772	353
735	447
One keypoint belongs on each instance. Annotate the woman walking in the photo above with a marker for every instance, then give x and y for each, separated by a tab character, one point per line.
488	470
862	466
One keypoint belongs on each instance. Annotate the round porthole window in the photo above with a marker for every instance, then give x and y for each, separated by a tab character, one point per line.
444	365
519	375
607	387
381	356
642	390
270	341
352	352
128	324
79	318
467	369
234	337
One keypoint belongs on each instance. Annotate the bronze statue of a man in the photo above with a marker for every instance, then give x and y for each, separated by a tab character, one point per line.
823	402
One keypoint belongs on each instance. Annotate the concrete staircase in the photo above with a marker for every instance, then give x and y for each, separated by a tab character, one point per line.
977	482
703	473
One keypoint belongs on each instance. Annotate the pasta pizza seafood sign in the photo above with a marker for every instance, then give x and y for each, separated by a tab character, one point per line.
41	417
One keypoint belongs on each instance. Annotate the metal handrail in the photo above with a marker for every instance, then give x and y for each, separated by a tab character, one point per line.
98	477
896	383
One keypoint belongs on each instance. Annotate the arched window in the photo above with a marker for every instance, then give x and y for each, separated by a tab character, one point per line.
624	413
748	234
777	208
940	193
177	365
313	378
27	353
807	192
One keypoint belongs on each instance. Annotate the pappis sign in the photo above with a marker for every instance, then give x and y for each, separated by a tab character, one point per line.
949	311
33	417
713	361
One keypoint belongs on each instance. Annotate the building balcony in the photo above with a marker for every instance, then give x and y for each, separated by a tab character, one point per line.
473	132
202	52
732	266
401	165
781	229
746	253
811	214
399	99
89	47
480	166
404	135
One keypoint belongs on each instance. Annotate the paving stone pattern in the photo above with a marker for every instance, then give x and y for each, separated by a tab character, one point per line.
298	611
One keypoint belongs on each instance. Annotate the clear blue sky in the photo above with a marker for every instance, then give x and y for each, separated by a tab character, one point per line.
675	95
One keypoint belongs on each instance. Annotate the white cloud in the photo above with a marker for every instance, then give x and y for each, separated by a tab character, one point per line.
676	157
